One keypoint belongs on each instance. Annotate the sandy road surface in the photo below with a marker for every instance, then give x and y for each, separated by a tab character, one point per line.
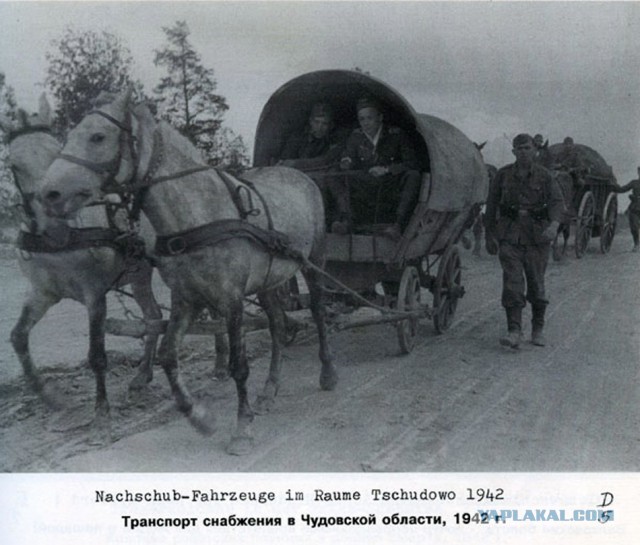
458	402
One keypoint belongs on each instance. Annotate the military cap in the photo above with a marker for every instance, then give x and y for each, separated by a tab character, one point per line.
568	140
367	102
522	139
321	109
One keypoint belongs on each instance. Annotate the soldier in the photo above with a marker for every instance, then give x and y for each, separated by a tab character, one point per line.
387	185
524	209
633	210
541	146
319	146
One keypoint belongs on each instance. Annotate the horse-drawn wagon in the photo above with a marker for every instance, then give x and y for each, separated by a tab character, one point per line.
453	187
591	205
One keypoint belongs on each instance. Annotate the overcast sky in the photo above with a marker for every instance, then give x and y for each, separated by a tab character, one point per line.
492	69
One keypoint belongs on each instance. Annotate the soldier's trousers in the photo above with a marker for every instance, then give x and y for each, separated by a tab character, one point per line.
366	199
634	225
523	270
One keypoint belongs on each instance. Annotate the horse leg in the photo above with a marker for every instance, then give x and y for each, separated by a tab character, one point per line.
182	314
97	310
242	440
33	309
566	233
477	230
270	302
143	294
221	368
328	373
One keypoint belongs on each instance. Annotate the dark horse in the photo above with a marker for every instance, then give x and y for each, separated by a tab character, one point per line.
219	238
79	259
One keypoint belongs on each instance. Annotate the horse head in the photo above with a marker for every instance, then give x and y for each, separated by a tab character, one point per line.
101	156
32	147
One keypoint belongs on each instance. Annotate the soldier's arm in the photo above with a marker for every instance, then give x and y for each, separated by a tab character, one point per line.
555	201
493	199
626	187
407	152
350	151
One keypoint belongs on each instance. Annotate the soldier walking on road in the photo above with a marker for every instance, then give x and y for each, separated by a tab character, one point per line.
634	208
524	208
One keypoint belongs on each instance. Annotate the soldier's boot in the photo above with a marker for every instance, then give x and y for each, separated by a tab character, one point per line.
537	326
514	328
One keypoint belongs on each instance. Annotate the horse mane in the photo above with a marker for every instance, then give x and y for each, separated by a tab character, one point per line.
181	143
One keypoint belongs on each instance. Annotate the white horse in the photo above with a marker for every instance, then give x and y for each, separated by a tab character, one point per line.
79	259
219	238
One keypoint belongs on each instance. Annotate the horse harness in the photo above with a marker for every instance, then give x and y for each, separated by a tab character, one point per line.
67	238
240	190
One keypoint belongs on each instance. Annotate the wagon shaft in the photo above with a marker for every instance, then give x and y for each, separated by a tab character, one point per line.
138	328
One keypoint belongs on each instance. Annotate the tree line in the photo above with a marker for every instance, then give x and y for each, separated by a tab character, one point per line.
83	63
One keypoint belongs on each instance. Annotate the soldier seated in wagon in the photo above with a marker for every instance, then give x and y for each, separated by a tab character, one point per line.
383	182
318	146
571	161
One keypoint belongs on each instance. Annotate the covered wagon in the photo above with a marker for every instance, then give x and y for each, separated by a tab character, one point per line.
454	185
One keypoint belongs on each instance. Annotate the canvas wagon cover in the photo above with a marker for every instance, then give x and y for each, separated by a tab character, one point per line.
458	173
594	162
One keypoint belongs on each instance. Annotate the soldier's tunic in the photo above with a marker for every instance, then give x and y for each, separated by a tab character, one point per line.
311	153
518	211
384	199
634	207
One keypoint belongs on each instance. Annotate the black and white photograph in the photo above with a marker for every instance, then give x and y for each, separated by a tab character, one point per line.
382	242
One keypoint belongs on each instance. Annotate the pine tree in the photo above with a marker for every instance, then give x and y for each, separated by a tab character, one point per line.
187	99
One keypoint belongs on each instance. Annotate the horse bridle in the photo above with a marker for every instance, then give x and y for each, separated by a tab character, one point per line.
110	168
26	196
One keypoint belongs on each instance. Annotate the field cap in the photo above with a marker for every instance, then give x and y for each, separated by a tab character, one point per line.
321	109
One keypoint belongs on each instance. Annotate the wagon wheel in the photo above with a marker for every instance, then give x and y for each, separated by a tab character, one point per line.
584	223
609	220
408	299
447	289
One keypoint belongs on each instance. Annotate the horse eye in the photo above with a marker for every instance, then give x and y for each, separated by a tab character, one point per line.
97	138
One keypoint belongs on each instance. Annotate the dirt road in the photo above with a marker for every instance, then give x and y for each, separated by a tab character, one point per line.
458	402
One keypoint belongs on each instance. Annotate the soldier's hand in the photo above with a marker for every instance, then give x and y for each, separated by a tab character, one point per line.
378	171
550	233
491	244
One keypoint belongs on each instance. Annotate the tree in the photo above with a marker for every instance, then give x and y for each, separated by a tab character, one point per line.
187	99
81	65
8	192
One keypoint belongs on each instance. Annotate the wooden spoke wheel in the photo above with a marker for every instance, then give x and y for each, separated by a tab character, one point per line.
408	299
447	289
609	220
584	223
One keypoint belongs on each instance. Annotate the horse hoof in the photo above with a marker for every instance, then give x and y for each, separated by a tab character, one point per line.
240	445
52	397
202	421
221	375
100	434
328	381
263	404
139	382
